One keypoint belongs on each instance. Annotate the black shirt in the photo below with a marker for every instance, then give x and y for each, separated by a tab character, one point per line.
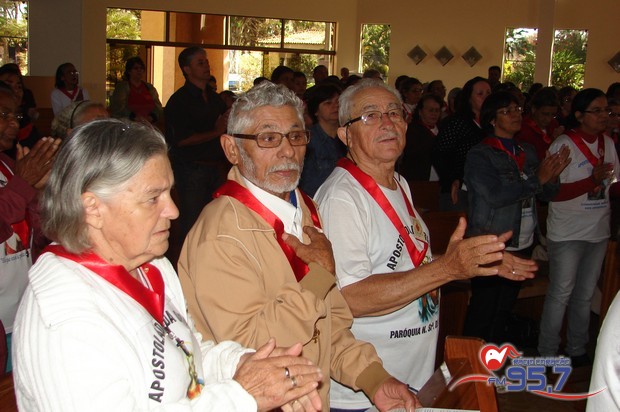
187	112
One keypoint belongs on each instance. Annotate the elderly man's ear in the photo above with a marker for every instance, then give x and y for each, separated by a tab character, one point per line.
229	144
342	135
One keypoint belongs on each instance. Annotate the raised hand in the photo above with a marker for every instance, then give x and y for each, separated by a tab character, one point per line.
466	258
553	164
33	165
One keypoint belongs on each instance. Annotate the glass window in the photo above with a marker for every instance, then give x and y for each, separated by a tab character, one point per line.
375	48
14	34
239	48
254	31
124	24
569	58
520	56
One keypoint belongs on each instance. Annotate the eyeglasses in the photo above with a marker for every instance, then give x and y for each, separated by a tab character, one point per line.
11	116
374	117
510	110
270	140
599	111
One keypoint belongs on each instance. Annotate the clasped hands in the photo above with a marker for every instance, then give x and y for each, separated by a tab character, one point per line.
280	377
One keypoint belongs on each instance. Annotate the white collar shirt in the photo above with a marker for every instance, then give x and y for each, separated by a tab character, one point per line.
290	215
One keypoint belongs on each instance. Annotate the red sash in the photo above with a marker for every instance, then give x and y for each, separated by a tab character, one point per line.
243	195
373	189
581	145
117	275
519	158
543	134
21	228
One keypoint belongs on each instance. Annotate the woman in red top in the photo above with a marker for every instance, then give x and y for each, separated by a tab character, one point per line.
133	98
539	127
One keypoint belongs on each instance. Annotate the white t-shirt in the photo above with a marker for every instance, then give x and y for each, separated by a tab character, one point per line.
528	225
61	100
585	217
366	242
606	368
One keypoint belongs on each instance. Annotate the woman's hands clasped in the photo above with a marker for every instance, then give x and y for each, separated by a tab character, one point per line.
279	376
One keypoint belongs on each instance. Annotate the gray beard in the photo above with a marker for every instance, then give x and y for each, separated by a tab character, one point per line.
250	174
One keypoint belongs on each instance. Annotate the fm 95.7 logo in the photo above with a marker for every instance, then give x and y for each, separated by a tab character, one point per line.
524	373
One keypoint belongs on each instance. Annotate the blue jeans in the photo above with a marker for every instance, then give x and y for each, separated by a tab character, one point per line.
574	269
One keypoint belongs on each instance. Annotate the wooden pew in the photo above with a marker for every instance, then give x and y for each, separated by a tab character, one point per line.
461	358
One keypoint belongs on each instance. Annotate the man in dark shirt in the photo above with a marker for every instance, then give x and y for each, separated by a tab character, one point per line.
195	119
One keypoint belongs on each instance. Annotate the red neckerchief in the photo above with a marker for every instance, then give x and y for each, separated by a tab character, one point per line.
581	145
519	157
117	275
21	228
243	195
373	189
543	134
75	95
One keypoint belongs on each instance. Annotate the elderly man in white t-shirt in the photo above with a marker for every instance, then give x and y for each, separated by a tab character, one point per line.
384	264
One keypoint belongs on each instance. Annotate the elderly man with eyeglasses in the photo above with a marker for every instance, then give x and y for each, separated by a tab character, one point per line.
384	265
256	264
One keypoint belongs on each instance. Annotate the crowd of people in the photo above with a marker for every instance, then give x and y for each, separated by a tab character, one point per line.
306	277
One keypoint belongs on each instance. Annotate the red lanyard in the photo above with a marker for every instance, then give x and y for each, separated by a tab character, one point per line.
531	123
581	145
21	228
117	275
243	195
519	158
373	189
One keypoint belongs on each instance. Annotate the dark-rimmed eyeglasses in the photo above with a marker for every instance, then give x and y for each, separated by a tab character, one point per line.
374	117
11	116
269	140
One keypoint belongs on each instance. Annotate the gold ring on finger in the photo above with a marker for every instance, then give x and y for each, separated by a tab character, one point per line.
294	381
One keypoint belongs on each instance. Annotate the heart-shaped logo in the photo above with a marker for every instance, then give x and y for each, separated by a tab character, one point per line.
493	357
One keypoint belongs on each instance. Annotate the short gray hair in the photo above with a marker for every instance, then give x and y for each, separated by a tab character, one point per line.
346	98
263	94
71	117
100	157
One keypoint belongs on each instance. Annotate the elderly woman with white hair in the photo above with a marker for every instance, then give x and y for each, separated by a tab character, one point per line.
103	323
77	114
